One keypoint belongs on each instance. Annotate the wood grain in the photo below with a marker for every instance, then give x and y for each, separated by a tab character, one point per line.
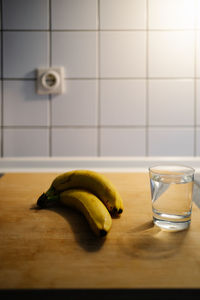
54	248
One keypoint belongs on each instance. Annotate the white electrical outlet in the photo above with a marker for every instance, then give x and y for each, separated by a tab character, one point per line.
50	81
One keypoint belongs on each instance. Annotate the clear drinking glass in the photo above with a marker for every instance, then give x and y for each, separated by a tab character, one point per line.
171	195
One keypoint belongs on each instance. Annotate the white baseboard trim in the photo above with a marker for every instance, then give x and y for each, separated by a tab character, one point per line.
101	164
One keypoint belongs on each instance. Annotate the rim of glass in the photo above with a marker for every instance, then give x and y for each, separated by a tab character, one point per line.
171	170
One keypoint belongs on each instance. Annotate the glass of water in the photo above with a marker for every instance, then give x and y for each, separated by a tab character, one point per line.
171	195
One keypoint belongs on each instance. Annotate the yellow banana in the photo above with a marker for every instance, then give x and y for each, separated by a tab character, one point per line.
89	180
92	208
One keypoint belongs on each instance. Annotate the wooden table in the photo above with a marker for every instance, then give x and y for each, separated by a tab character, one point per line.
55	249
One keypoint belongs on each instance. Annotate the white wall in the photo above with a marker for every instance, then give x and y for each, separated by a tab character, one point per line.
132	75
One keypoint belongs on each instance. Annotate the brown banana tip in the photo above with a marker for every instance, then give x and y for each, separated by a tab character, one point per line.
41	202
103	232
120	211
114	211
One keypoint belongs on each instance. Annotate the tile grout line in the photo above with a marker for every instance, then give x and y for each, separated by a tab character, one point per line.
105	78
103	30
98	84
97	126
2	85
50	96
195	81
147	79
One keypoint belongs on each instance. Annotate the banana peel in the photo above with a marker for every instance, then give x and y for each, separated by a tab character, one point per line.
92	181
89	192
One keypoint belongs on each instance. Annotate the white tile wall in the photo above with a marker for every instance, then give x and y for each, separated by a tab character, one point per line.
1	143
171	14
26	14
123	102
24	52
132	75
171	54
0	101
198	142
122	54
197	15
77	52
122	142
198	103
0	57
78	106
74	142
198	54
126	14
22	106
171	142
25	142
74	14
171	102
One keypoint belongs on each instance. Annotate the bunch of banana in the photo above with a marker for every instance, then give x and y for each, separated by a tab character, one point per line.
89	192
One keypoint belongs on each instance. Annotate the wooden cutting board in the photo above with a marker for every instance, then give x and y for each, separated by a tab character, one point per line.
54	248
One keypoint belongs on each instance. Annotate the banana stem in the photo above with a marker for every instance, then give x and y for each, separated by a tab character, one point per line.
46	200
51	192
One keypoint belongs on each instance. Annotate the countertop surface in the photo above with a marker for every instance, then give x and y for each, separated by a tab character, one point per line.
55	248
